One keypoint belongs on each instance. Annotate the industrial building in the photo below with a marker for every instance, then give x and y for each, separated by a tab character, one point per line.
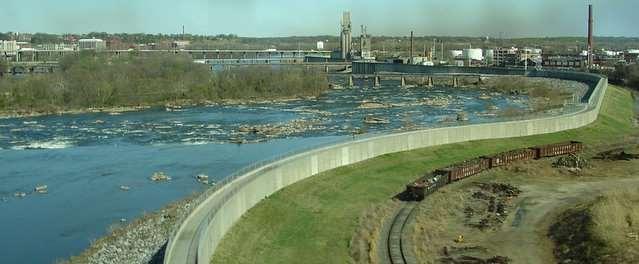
631	56
8	48
466	57
346	36
489	57
365	46
56	47
180	44
91	44
564	61
504	56
455	54
529	57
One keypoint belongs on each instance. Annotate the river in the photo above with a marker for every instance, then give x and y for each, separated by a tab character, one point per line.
84	159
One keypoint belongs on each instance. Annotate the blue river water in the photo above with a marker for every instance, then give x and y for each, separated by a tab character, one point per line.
85	158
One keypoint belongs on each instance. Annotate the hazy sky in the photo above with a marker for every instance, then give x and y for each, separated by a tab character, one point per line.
515	18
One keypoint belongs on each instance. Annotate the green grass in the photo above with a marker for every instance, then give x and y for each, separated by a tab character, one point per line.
600	231
313	221
615	217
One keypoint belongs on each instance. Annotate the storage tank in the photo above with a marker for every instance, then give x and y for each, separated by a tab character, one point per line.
490	56
473	54
455	53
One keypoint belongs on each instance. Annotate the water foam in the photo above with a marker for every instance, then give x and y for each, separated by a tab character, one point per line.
56	143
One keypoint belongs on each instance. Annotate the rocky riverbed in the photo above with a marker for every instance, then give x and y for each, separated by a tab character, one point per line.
107	157
141	241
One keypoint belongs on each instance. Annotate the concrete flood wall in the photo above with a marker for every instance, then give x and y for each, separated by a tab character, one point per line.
201	232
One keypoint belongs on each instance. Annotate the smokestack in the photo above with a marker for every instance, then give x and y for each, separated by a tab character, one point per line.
590	39
411	47
182	32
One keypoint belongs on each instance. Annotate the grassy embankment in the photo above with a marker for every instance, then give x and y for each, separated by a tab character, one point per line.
600	231
615	218
91	81
314	220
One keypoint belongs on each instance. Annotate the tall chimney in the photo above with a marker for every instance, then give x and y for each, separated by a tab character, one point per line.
590	40
411	48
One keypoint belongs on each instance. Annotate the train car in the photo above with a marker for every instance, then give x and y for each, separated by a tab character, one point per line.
557	149
422	187
462	170
505	158
427	184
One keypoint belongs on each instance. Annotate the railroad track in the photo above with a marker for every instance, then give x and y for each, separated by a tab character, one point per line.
396	246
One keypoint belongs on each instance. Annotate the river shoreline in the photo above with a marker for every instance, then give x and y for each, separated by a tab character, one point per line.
139	241
130	243
115	110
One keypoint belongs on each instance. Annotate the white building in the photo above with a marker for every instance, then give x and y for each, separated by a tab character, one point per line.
56	47
91	44
180	44
422	61
489	56
455	54
532	54
8	47
473	54
320	45
612	53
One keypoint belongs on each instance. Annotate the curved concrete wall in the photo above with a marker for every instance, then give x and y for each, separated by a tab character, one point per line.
201	232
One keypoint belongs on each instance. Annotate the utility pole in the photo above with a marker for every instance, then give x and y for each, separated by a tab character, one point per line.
442	42
434	50
590	38
411	47
425	54
525	61
470	46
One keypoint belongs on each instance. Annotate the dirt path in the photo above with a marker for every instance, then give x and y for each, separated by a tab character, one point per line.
524	234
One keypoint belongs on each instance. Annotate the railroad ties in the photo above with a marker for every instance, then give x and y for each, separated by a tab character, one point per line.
397	246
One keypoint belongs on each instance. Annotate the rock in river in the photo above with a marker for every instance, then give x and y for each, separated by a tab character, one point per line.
160	176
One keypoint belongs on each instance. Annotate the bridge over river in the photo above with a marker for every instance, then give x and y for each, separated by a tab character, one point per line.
46	61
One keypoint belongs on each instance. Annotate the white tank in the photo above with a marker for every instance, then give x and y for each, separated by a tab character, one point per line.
489	54
455	53
473	54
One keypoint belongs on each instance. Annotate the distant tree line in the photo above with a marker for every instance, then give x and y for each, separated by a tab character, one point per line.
626	75
89	80
390	44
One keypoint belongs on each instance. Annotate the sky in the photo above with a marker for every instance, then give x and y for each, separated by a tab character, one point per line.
262	18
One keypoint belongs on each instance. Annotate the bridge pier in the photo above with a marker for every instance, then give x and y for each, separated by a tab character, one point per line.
376	81
455	81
